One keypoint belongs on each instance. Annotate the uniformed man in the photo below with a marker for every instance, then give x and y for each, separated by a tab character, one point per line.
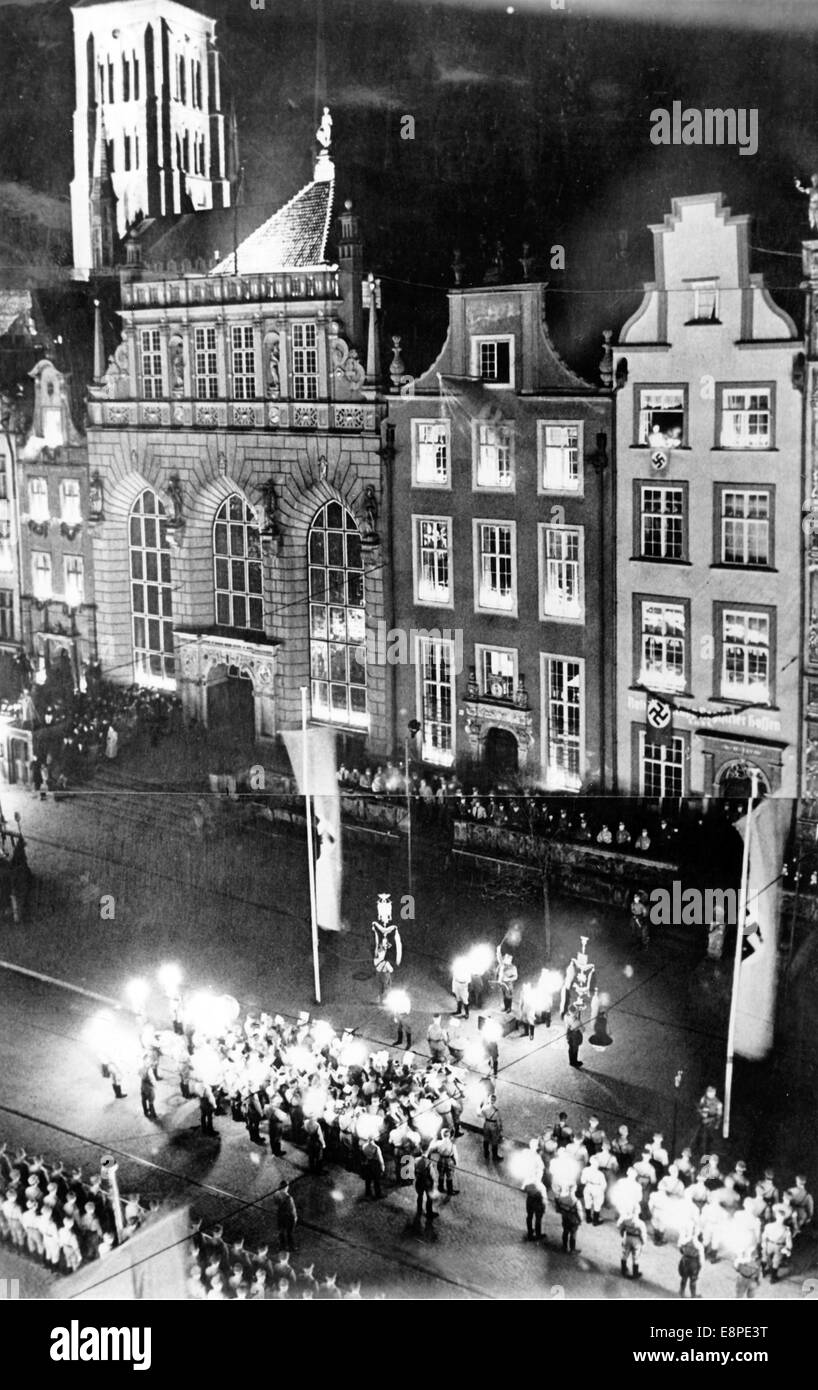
444	1150
573	1037
207	1109
776	1244
594	1189
562	1132
461	983
316	1143
406	1144
535	1197
438	1039
372	1168
568	1206
634	1237
710	1111
506	979
147	1089
800	1203
622	1149
286	1216
748	1270
424	1187
492	1127
691	1259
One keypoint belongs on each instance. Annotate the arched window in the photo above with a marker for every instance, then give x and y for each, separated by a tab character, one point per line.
151	593
337	626
237	560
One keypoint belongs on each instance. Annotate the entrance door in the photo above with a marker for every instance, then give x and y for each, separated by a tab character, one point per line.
501	753
735	785
231	710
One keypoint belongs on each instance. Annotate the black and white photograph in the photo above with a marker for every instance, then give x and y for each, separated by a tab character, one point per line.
409	662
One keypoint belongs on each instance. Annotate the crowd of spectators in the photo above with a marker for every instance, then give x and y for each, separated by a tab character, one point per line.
73	735
222	1270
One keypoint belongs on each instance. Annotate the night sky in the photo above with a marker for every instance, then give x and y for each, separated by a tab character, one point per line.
532	126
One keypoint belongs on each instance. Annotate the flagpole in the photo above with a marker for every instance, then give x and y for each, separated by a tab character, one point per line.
742	913
310	846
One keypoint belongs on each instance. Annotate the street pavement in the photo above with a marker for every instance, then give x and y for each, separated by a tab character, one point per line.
231	907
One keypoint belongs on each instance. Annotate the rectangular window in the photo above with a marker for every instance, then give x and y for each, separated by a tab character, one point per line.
663	659
6	615
705	306
561	572
661	768
497	671
244	363
745	527
6	546
135	78
494	456
110	82
430	453
662	416
563	698
70	501
493	360
746	418
435	664
207	372
745	656
126	80
41	575
559	450
305	362
495	546
38	500
74	581
662	522
152	388
127	140
433	559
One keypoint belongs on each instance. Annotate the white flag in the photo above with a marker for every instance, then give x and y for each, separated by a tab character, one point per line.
758	974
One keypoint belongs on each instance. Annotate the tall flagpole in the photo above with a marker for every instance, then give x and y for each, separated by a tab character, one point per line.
310	846
742	914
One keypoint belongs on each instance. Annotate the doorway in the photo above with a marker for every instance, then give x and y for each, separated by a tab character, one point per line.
502	754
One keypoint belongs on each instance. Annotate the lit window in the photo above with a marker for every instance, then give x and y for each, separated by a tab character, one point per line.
497	668
705	308
152	364
305	362
662	523
745	657
563	715
70	501
41	575
560	457
435	661
237	561
433	569
746	420
562	577
492	360
207	372
662	417
745	528
430	452
661	768
494	445
337	619
151	593
38	500
663	645
74	581
6	615
496	581
244	363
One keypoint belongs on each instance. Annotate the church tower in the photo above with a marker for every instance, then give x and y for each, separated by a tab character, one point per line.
102	205
147	73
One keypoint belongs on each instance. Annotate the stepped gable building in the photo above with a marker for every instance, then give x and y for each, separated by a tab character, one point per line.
149	137
709	499
235	449
502	552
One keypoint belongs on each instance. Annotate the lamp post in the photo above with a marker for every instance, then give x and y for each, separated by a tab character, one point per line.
413	728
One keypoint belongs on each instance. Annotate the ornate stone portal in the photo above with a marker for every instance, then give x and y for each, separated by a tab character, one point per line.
484	715
198	659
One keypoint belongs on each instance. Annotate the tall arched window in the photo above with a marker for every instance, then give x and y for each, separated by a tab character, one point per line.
151	593
337	626
237	561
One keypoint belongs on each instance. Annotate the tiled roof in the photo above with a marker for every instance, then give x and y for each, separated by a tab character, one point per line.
292	239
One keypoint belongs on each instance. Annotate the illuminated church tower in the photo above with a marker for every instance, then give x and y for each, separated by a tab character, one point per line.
147	81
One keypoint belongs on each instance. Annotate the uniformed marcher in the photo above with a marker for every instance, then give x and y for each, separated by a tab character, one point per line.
438	1040
748	1270
691	1259
776	1244
275	1118
568	1206
207	1109
634	1237
594	1188
372	1168
710	1111
461	982
528	1010
115	1073
316	1143
535	1198
506	979
424	1187
573	1037
286	1216
492	1127
800	1203
147	1089
254	1114
444	1150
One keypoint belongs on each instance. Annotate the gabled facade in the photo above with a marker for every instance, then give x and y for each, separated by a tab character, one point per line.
708	520
502	560
235	441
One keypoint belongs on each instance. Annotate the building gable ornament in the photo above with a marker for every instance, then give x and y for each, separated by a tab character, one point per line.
344	360
115	383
